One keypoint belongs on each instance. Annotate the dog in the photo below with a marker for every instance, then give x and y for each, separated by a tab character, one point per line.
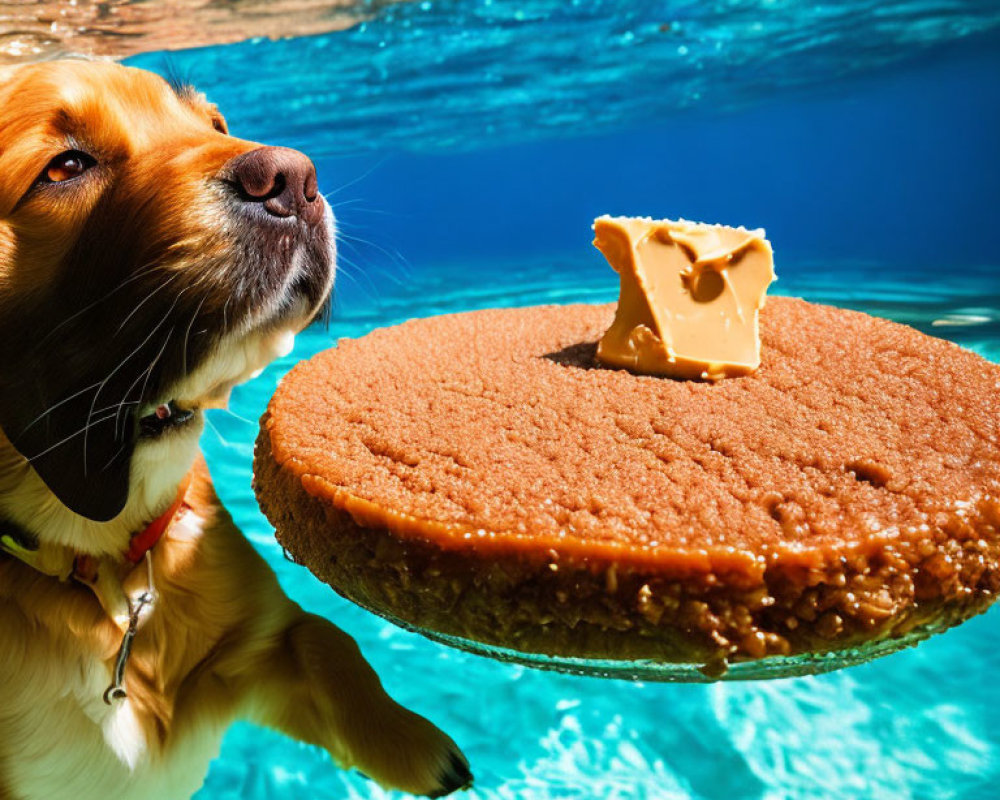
150	261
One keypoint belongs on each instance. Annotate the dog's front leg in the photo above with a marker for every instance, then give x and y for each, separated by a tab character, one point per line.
315	685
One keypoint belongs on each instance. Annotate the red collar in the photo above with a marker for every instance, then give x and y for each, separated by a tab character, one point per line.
146	539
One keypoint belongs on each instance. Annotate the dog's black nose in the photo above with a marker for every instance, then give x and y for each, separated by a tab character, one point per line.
282	179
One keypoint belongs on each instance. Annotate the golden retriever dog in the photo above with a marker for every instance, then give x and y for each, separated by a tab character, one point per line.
149	261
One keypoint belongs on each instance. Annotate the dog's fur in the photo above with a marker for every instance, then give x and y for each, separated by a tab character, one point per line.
144	280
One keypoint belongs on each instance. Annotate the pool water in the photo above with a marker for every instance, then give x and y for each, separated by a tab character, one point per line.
466	147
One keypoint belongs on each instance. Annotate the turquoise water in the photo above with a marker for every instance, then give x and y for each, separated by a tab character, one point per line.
466	147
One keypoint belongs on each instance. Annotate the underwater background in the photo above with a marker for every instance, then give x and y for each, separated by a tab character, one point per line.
466	147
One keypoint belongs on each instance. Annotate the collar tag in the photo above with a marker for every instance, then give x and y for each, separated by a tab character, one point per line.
136	605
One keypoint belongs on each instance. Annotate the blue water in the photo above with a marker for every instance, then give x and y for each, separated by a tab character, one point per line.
466	147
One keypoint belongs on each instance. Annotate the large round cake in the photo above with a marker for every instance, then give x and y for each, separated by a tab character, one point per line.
479	476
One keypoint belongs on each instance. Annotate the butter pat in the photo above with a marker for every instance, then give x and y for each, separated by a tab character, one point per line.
690	296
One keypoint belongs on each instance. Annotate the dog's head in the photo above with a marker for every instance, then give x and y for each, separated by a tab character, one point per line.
148	262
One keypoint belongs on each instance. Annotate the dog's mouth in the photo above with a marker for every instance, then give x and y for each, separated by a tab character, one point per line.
235	360
166	417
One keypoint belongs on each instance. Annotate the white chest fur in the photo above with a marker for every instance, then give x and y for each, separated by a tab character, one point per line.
63	741
60	740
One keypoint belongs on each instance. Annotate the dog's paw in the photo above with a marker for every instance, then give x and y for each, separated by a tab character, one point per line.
401	750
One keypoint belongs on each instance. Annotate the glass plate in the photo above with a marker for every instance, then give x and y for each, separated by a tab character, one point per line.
769	668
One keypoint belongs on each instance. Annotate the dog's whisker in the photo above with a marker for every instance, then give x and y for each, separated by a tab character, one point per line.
61	442
368	288
145	373
115	455
169	279
344	260
345	203
393	255
117	405
152	364
241	419
389	253
142	272
187	335
356	208
326	311
365	210
54	406
358	179
120	405
129	356
388	274
215	430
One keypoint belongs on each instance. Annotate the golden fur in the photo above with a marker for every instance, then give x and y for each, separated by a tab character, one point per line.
151	224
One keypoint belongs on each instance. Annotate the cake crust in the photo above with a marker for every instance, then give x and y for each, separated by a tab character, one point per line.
478	475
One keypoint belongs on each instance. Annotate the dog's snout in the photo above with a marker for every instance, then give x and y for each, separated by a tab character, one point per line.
281	179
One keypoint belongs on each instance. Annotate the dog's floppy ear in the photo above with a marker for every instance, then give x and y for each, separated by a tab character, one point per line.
80	449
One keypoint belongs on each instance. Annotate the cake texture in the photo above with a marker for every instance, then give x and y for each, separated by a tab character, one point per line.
479	475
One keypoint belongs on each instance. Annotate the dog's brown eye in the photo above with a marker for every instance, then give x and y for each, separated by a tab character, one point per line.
67	166
220	124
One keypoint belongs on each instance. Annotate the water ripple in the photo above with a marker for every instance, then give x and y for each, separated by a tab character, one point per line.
460	74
